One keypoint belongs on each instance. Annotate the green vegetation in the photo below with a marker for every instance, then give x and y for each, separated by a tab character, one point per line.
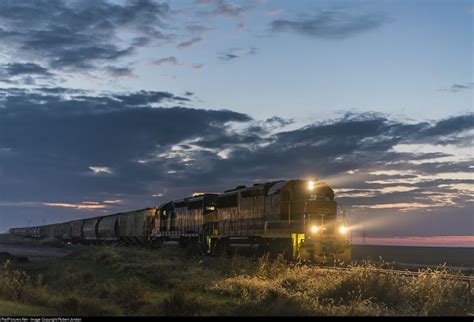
6	239
8	308
110	280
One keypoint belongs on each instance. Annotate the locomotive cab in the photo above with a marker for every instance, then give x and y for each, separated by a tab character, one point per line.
326	235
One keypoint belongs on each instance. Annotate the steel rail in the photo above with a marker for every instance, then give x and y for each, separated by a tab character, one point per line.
462	278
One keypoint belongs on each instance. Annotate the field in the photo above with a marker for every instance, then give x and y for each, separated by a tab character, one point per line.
108	280
451	256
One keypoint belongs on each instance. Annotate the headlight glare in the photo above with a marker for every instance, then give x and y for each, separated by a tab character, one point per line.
314	229
343	230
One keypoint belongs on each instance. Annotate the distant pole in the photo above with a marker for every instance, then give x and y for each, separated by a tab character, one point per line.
364	235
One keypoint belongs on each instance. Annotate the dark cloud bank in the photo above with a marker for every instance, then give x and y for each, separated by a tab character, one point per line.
79	35
72	147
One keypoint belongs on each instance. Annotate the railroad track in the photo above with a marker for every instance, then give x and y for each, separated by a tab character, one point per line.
462	278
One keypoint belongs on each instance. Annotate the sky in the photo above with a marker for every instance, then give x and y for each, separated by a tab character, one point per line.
109	106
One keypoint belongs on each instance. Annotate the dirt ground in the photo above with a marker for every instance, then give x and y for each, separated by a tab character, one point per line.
452	256
34	250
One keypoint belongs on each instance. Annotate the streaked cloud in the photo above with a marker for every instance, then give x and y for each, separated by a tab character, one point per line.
24	74
113	202
236	52
226	9
171	60
274	12
189	43
458	88
198	29
98	170
331	24
81	206
400	205
119	71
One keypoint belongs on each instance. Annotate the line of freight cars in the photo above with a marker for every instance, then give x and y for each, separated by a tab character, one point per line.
129	227
295	217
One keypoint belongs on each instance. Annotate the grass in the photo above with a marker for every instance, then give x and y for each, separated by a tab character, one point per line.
7	239
169	281
8	308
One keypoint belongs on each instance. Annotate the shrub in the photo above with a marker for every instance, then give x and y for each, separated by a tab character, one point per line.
433	292
78	305
363	285
13	282
130	295
181	303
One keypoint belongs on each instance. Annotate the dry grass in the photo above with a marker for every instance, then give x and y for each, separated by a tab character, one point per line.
169	281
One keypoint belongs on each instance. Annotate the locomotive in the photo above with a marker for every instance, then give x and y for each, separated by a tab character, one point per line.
297	218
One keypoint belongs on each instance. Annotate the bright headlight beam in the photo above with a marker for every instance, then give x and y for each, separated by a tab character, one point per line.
343	229
310	184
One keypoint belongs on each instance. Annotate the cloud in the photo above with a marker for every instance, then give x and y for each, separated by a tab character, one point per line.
99	170
236	52
72	140
197	28
17	69
455	88
166	61
330	24
119	71
240	27
142	98
76	206
79	35
401	205
228	56
189	43
113	202
24	73
68	133
226	9
197	66
274	12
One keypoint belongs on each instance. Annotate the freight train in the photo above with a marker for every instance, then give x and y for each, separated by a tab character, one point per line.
297	218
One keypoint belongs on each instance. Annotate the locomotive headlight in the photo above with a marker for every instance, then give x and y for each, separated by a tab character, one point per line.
310	185
343	230
314	229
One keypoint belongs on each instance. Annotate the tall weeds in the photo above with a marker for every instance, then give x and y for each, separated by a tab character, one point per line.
128	281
